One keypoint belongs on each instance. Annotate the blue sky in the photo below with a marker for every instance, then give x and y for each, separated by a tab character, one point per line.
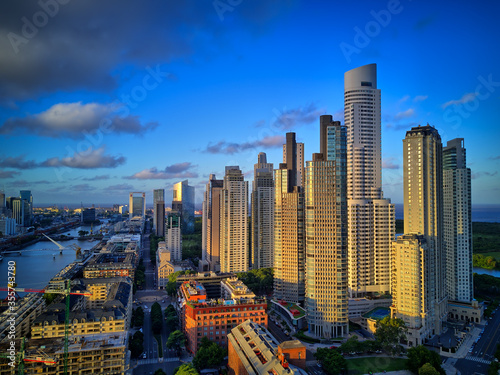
98	99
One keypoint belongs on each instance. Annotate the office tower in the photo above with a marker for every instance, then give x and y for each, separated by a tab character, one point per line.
371	218
457	224
211	223
234	222
2	203
88	215
289	230
26	196
173	236
20	209
262	213
159	212
418	275
326	233
137	205
184	203
293	157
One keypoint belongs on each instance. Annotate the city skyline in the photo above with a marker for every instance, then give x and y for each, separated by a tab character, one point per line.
251	73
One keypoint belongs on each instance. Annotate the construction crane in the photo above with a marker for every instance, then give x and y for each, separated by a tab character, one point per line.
67	292
20	358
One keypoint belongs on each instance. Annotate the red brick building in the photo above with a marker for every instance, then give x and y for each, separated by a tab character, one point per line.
215	318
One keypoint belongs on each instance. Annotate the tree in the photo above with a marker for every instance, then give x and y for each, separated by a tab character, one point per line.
331	360
351	345
419	356
136	344
427	369
176	340
209	355
186	369
138	317
159	372
82	233
390	332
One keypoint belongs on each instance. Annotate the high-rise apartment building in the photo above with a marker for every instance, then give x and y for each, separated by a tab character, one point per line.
371	218
289	229
184	203
326	233
20	209
173	236
457	234
418	262
211	223
262	214
293	157
137	205
234	222
159	212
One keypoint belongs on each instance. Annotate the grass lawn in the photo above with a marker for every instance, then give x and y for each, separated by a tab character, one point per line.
374	364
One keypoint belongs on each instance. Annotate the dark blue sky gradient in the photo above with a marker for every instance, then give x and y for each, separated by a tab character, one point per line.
232	86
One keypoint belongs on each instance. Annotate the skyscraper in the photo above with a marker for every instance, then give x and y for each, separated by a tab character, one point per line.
371	218
293	157
234	222
326	233
262	213
184	203
457	222
418	274
26	196
211	223
173	237
289	230
137	205
159	212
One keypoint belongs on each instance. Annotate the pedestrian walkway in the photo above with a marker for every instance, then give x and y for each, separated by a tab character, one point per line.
151	361
477	359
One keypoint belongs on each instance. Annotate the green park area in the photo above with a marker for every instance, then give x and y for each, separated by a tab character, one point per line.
375	364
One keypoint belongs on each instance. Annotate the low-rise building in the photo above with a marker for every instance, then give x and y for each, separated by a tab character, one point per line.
111	265
214	318
466	312
91	354
110	312
211	281
253	350
166	265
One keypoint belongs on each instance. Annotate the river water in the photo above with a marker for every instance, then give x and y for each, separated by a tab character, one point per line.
484	271
35	268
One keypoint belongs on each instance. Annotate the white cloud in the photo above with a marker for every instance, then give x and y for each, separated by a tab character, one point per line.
464	99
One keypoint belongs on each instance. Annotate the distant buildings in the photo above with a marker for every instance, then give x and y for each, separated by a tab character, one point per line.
211	224
234	222
184	203
262	200
289	228
88	215
159	212
137	205
173	236
326	233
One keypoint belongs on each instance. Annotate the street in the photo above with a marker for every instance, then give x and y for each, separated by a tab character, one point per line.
146	298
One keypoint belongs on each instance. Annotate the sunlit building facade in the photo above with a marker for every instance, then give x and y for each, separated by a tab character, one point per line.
234	222
262	200
371	218
211	224
326	233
